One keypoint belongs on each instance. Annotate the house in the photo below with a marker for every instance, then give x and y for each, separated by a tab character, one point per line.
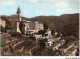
48	44
56	45
71	52
48	34
37	37
56	39
3	22
33	27
67	47
51	41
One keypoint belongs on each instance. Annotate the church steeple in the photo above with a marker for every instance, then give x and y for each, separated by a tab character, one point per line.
19	14
18	10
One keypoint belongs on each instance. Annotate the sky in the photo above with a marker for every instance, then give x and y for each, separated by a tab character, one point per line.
33	8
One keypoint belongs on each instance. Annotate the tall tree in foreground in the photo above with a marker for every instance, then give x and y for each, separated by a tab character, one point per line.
45	26
22	27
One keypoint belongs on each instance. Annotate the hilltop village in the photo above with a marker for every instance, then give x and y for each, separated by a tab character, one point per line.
34	38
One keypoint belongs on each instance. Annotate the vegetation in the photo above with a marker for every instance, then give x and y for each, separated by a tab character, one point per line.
14	33
68	23
45	25
3	29
42	32
60	24
22	27
71	30
8	23
42	44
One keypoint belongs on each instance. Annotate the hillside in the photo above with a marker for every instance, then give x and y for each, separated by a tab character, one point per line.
67	24
15	17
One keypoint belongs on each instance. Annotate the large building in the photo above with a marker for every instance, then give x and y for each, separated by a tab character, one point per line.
30	26
3	23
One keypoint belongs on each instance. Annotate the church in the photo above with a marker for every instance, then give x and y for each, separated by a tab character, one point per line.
30	26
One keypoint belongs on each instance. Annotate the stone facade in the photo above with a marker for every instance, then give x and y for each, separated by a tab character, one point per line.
67	46
56	45
3	23
33	27
13	25
30	26
71	52
18	30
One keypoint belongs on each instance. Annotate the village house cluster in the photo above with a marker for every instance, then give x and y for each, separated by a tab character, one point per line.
54	43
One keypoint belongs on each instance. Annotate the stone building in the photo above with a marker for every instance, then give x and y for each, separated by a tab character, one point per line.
30	26
67	47
48	35
71	52
19	14
3	23
15	25
52	41
56	45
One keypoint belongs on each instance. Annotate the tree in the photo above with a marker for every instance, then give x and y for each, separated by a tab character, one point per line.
45	26
52	31
22	27
42	44
42	32
14	33
71	30
3	29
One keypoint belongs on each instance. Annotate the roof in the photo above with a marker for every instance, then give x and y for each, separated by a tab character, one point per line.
51	39
60	42
71	50
55	45
6	19
48	32
9	19
18	10
67	45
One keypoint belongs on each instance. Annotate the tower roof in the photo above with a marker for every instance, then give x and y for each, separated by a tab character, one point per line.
18	10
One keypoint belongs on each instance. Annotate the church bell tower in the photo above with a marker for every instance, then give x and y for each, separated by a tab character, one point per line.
19	14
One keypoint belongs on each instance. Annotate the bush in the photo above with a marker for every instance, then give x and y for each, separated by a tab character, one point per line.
42	32
22	27
14	33
3	29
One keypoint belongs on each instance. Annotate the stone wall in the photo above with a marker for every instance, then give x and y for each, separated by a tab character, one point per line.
14	25
3	23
